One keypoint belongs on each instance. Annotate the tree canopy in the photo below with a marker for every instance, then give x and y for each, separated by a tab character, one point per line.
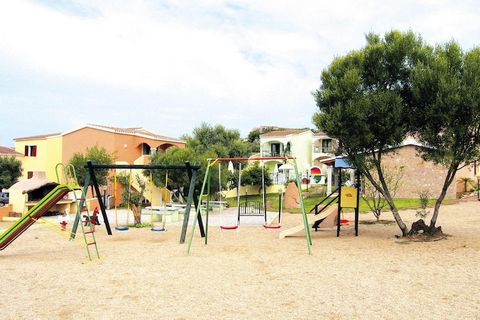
446	110
10	171
397	86
95	154
364	101
218	140
207	141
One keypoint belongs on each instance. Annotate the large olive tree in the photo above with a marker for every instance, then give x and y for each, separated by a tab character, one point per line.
364	100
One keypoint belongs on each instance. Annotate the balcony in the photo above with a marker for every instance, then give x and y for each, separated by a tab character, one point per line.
275	154
317	149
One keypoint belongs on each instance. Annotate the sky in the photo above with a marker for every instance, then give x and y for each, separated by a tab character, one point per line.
170	65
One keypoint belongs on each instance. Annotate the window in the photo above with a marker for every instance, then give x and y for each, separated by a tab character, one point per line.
146	150
30	151
29	174
327	145
275	149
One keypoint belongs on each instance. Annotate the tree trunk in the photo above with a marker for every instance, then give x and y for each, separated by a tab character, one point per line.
420	225
388	196
396	215
137	216
448	181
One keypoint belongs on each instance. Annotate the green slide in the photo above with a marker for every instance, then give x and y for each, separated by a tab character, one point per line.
33	214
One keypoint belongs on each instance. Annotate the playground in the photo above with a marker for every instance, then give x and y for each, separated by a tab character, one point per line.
248	273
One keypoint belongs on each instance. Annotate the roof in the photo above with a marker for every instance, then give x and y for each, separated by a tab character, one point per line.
320	134
140	132
38	180
9	151
283	133
38	137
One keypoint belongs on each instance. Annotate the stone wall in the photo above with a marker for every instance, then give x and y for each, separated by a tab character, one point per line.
419	175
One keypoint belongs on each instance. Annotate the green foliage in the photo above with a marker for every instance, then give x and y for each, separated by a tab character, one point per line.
373	198
363	95
10	171
423	199
206	142
132	197
251	176
447	110
178	179
364	102
217	140
95	154
466	181
447	105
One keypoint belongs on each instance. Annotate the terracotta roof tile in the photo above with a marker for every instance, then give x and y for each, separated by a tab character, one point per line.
9	151
135	131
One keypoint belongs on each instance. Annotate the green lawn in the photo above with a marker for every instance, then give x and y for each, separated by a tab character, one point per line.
401	203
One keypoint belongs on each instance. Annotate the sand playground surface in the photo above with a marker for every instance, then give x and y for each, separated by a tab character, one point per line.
248	274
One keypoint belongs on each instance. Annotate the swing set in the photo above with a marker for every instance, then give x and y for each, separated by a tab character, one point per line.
192	198
247	208
261	209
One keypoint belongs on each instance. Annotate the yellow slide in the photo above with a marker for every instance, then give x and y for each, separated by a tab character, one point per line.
329	217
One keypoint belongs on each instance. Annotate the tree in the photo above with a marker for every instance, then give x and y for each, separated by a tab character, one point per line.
363	100
95	154
132	197
446	90
218	140
206	142
466	181
10	171
251	176
178	179
373	198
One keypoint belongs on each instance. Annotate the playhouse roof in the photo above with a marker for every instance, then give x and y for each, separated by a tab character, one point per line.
38	180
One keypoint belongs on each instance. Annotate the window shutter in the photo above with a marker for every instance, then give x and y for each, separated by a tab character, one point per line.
34	151
26	150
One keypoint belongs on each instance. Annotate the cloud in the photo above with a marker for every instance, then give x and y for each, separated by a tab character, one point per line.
242	63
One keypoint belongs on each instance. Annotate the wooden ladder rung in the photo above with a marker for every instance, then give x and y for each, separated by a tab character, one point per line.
90	243
87	232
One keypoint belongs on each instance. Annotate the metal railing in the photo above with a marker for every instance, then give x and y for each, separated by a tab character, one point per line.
322	149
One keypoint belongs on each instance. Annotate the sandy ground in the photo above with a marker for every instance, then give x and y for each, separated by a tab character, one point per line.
248	274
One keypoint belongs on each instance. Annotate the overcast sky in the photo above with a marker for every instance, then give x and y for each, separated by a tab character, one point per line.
169	65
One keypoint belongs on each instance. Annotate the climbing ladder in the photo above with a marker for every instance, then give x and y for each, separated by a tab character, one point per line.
87	225
87	222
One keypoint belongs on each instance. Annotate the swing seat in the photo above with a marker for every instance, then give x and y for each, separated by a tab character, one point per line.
267	226
228	227
344	221
121	228
158	229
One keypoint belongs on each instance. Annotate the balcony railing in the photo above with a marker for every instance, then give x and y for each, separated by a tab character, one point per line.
275	154
322	149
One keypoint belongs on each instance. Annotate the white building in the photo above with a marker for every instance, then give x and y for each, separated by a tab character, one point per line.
307	147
